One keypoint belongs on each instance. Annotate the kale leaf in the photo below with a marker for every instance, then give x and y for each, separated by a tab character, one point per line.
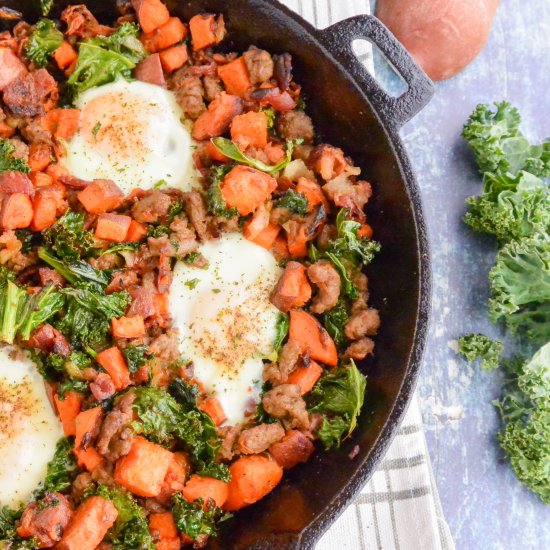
103	59
335	321
283	324
37	308
525	410
479	346
43	41
61	471
135	357
88	313
22	312
68	238
130	530
498	144
520	281
294	202
8	161
46	6
184	393
194	519
76	272
231	150
348	246
162	419
338	394
7	522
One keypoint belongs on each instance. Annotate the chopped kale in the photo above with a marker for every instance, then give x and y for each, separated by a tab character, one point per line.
194	519
8	161
43	41
479	346
67	238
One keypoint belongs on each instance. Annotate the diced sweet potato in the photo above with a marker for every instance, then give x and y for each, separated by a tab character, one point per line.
312	337
250	130
216	120
112	360
112	227
252	477
90	523
235	77
206	488
292	289
144	468
172	32
246	189
101	196
68	409
151	14
206	30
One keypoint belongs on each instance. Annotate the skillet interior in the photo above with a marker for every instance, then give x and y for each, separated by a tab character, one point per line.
312	495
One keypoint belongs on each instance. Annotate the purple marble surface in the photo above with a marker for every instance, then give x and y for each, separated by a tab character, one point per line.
484	504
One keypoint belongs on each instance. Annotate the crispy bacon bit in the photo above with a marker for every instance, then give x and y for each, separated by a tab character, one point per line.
82	23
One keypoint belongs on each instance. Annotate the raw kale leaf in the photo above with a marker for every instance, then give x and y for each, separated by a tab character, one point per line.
525	410
520	282
135	357
43	41
62	470
194	520
130	530
8	161
105	58
498	144
479	346
293	201
338	394
231	150
67	237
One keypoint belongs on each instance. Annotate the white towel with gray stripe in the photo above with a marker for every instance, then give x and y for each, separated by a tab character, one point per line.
399	508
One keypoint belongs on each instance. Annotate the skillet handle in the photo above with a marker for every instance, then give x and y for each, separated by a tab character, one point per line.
395	111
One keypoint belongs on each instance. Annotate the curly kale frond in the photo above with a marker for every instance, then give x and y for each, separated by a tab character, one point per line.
68	238
479	346
8	161
498	144
43	41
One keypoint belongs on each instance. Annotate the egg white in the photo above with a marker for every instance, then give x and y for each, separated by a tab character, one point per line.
29	429
131	133
225	320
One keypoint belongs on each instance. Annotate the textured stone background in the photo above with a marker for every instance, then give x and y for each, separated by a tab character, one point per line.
485	506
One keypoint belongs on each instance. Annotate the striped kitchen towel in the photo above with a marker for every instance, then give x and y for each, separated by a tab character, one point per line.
399	508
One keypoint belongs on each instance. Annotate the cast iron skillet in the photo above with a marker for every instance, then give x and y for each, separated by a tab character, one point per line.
351	111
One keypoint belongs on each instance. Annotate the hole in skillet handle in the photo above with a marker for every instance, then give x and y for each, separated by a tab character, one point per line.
417	89
379	66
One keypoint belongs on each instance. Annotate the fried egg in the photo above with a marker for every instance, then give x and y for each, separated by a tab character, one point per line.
226	322
132	133
29	429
